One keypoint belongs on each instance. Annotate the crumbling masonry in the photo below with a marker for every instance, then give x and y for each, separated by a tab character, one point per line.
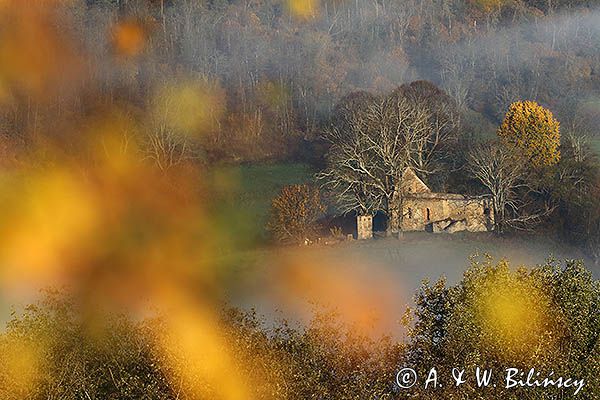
424	210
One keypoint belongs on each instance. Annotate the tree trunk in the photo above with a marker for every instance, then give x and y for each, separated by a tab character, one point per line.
393	221
498	218
395	214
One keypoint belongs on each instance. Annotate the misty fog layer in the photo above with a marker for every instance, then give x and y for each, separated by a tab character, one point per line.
484	60
389	268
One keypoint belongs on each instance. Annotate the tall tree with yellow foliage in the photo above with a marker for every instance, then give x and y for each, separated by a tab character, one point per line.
533	131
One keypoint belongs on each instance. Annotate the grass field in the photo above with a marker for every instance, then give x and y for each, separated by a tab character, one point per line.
252	187
260	183
595	143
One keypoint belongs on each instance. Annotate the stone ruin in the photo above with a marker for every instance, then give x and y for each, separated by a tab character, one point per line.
364	227
424	210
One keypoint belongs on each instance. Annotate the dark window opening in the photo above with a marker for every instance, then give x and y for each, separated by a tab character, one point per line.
428	215
410	213
486	211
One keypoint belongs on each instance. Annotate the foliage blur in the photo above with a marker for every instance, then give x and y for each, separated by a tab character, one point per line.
546	316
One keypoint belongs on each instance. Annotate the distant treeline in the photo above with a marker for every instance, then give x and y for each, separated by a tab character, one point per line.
275	70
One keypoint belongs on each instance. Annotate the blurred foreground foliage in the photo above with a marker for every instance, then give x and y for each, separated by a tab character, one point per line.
546	317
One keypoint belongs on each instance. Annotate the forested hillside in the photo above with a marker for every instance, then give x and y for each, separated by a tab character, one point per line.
272	71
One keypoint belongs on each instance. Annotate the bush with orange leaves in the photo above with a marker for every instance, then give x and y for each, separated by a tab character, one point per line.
294	213
533	130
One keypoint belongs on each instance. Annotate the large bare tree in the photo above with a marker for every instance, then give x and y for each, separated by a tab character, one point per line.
508	178
493	166
374	139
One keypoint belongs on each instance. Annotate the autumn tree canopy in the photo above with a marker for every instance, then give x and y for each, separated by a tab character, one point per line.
533	131
294	213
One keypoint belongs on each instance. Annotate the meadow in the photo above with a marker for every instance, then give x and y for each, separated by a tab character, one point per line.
595	144
252	187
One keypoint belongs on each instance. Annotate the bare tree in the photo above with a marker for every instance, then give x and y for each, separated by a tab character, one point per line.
167	149
506	176
429	146
374	142
456	78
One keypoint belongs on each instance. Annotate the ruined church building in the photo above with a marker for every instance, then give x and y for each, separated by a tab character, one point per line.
424	210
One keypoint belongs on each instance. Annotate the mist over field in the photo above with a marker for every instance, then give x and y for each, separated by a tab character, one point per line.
388	272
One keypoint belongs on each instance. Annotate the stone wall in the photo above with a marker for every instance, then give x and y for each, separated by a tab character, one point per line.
440	212
412	184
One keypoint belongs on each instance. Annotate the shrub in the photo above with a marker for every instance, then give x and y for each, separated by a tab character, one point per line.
294	213
545	318
50	352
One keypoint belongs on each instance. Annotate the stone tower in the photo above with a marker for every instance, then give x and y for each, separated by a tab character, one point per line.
364	227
